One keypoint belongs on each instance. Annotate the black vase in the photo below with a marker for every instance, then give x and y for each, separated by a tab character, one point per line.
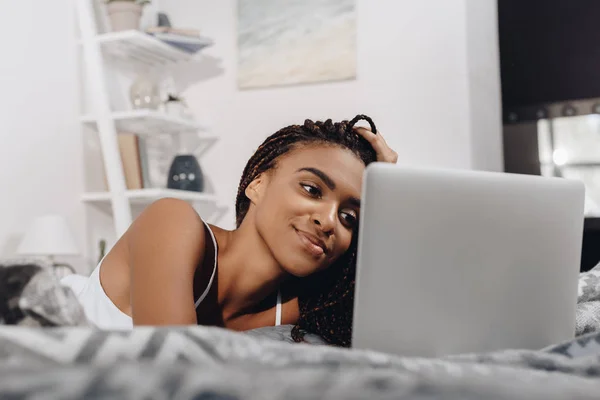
185	174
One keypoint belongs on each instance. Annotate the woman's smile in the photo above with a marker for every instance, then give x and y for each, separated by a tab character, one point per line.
313	245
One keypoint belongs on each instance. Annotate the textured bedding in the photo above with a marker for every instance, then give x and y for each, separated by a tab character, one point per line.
211	363
53	353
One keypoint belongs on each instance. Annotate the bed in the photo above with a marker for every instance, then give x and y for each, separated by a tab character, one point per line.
50	352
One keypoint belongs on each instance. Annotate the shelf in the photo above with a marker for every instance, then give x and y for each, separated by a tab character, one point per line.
142	49
139	199
147	196
149	122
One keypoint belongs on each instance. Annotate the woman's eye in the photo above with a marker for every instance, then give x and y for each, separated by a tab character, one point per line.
348	218
312	190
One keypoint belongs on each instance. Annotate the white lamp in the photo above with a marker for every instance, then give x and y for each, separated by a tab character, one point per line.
49	236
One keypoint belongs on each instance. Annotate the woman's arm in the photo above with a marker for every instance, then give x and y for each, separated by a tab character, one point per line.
166	245
266	317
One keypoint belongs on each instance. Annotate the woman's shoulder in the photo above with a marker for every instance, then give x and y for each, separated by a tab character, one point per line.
168	221
168	208
165	245
170	204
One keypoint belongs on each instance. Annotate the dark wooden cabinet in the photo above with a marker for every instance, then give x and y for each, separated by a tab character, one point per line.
590	251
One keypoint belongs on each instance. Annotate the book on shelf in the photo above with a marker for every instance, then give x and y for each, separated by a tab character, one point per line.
146	160
130	159
156	155
186	41
176	31
129	150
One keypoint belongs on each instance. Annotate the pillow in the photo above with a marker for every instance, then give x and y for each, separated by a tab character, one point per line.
30	294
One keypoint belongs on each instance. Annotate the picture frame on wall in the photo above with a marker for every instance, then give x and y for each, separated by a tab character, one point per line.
284	43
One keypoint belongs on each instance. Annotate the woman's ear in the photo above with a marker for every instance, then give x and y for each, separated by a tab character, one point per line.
255	189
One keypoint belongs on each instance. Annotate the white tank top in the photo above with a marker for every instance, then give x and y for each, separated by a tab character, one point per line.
102	312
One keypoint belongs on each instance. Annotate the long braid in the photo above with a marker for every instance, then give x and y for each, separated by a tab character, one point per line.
325	298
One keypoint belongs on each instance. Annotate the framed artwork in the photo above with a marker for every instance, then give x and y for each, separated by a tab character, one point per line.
289	42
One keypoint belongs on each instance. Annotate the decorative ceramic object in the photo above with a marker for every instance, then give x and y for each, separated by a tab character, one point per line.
176	107
144	93
125	14
185	174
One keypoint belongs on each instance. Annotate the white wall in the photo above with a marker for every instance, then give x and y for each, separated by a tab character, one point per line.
422	77
40	151
426	73
485	103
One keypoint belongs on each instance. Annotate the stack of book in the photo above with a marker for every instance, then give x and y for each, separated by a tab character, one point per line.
145	160
188	40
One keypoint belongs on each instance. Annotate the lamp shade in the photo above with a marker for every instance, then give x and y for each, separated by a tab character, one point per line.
48	235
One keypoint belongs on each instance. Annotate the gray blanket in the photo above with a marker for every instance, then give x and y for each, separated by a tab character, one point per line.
211	363
78	361
588	302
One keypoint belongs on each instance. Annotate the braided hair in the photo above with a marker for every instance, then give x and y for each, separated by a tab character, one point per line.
326	298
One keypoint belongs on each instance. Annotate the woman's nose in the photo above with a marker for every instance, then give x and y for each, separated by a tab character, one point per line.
326	218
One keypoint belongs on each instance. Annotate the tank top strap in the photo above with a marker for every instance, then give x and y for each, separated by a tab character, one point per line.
212	276
278	309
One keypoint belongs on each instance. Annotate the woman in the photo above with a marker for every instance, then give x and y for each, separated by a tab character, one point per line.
291	259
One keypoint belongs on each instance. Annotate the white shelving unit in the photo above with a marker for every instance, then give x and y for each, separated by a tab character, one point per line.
141	50
145	196
148	122
139	199
138	52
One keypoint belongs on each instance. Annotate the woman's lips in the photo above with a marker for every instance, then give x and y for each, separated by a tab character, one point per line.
311	244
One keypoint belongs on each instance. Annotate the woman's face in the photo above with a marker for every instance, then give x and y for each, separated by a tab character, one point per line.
307	208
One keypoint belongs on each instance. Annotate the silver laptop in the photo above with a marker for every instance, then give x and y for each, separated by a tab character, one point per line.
453	261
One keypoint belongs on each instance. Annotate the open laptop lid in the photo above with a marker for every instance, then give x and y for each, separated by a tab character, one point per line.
452	261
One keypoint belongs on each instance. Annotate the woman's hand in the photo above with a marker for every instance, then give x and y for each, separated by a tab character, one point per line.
383	151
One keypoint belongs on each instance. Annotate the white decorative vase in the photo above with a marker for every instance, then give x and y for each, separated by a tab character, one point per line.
124	15
144	93
176	109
